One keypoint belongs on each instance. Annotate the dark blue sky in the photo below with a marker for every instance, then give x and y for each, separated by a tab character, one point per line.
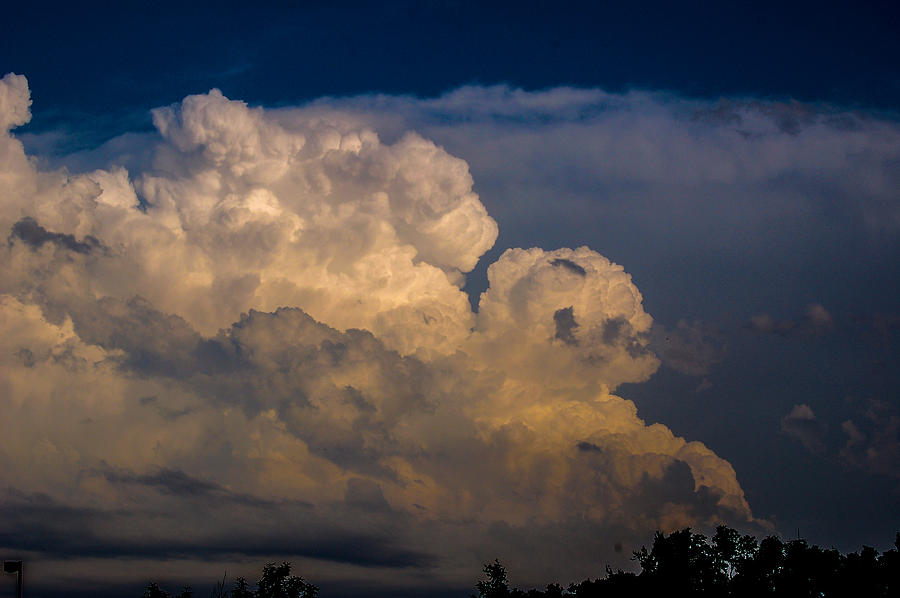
141	55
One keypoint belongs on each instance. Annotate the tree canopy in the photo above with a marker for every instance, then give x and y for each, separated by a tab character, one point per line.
685	563
276	581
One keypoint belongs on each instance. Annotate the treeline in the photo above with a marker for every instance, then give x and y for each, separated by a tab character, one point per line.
276	581
682	563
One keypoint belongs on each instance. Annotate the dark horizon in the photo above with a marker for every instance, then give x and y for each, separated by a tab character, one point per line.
723	561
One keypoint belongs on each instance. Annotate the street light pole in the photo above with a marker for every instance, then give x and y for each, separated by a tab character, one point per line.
15	568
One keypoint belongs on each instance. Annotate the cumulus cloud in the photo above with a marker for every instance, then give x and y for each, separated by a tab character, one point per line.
691	348
240	212
570	316
15	102
873	441
802	425
261	340
870	438
816	322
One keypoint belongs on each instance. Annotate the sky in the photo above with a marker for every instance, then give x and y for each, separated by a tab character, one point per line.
389	291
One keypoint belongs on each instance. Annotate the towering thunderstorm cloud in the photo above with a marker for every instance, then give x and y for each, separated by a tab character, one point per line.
259	345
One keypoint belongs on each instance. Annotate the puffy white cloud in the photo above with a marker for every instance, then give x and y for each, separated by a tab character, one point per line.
239	212
15	102
266	325
564	318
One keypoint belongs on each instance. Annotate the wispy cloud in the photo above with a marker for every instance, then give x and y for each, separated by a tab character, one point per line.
816	322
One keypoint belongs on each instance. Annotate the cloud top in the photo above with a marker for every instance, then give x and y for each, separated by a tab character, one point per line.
15	101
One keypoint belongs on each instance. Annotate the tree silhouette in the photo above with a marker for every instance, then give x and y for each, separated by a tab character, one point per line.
496	585
729	564
154	591
241	589
732	550
682	563
277	582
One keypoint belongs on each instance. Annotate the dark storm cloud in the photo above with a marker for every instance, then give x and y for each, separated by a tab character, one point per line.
565	325
179	484
569	265
358	400
164	412
618	332
365	495
34	235
233	366
39	523
166	480
614	329
155	343
281	360
675	487
587	447
672	494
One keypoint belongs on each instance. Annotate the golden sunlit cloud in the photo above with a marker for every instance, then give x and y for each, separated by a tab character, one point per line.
260	345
